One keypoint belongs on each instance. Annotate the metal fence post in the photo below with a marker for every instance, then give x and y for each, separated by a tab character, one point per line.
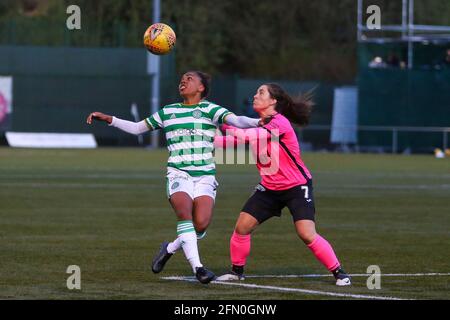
444	140
394	141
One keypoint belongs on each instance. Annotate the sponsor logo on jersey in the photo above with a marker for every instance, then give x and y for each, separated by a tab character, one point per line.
187	132
175	185
259	187
178	176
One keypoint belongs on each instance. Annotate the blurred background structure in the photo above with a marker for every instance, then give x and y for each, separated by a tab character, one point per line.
382	90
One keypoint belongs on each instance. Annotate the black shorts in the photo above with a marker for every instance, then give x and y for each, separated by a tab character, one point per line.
265	203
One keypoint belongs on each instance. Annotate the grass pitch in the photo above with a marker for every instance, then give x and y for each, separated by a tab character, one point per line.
105	210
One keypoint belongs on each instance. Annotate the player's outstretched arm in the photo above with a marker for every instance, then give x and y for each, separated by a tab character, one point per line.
241	122
135	128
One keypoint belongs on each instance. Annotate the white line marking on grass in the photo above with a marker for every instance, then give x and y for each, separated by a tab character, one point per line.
57	184
396	187
382	174
52	185
316	292
105	175
351	275
432	274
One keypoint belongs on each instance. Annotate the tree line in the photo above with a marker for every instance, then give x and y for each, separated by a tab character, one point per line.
290	39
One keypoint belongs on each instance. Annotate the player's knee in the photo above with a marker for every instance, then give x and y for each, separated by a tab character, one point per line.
201	225
242	230
307	236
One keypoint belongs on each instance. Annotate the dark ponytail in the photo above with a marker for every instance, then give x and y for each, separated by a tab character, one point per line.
297	110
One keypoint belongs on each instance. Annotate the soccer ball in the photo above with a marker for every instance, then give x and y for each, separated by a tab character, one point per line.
159	38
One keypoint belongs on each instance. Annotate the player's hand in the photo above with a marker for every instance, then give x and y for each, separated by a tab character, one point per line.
99	116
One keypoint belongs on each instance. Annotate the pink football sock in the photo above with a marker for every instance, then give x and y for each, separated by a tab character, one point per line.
239	248
324	253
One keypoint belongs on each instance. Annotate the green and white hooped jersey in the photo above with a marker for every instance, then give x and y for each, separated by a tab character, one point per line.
190	131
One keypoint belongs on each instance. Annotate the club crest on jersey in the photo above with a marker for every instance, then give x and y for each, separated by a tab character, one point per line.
197	114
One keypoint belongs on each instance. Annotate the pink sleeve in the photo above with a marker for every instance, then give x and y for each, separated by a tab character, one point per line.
242	135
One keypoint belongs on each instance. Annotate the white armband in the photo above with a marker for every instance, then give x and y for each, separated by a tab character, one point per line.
241	121
135	128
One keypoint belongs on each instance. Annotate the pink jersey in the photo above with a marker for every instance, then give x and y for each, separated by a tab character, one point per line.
275	147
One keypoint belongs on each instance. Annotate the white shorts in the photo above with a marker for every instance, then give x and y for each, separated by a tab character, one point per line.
180	181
